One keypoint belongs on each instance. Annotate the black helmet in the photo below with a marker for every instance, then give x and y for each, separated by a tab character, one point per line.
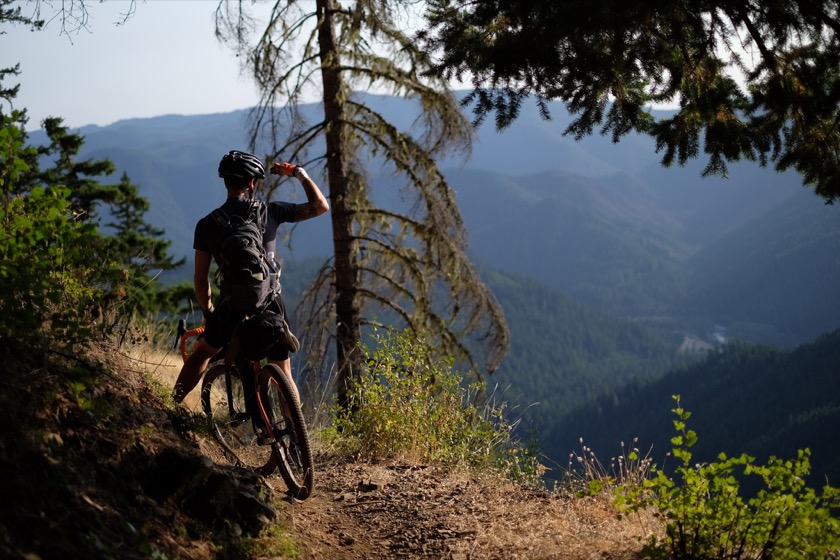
241	164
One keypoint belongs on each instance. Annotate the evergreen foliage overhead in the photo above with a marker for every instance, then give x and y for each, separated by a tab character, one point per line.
754	80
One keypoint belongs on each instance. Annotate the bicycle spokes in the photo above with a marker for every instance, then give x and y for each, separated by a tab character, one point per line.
264	431
224	402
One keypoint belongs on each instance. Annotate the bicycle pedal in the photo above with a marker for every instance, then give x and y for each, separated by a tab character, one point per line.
263	438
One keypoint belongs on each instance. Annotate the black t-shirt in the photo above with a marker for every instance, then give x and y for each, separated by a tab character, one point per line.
208	231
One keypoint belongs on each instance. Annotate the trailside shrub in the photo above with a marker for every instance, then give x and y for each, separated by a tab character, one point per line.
707	517
58	267
47	267
408	405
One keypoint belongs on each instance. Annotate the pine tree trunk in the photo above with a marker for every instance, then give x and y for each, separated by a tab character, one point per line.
348	317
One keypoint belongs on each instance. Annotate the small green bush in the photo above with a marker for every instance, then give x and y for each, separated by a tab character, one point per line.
47	269
706	517
408	405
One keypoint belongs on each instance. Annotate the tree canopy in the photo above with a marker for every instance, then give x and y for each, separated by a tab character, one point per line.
754	80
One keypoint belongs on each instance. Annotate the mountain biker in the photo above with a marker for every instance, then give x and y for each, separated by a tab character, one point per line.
240	172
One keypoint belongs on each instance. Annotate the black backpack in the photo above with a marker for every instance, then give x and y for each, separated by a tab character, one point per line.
244	268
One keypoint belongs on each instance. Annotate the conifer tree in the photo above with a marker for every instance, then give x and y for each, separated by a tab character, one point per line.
410	266
83	178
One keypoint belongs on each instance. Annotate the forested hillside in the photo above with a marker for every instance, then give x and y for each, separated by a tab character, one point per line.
753	399
564	354
774	279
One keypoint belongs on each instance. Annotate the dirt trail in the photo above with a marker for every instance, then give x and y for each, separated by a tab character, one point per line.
364	511
398	510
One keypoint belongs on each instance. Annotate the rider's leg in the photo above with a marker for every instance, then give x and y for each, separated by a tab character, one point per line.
286	367
192	370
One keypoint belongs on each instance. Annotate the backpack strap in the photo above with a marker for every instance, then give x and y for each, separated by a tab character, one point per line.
222	218
257	212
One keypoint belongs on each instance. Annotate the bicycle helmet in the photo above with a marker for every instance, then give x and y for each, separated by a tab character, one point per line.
241	164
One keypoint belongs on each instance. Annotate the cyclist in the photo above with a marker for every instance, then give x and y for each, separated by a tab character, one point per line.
240	172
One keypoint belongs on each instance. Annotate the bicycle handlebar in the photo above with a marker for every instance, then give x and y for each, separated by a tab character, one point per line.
184	334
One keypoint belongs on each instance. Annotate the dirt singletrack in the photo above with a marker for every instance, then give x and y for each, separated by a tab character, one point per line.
398	510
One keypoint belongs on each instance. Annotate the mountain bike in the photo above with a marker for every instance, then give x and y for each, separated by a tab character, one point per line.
253	414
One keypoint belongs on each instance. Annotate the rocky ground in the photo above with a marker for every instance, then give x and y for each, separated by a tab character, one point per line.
94	464
395	510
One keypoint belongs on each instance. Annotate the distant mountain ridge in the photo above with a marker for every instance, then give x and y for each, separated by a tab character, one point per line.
601	222
588	238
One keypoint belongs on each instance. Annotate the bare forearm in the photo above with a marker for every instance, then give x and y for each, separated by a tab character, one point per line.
316	202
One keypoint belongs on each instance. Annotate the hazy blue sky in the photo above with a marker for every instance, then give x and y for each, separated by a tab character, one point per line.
164	60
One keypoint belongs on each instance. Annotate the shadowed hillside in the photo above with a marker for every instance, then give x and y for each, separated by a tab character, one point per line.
752	399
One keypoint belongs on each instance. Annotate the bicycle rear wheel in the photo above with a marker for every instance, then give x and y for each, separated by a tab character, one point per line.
290	442
231	424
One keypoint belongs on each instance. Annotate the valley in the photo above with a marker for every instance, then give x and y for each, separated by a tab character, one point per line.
614	273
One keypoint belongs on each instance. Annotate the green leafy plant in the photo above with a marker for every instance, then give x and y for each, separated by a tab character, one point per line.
707	517
409	405
47	269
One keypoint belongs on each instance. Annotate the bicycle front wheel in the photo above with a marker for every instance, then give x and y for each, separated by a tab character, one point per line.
290	439
223	401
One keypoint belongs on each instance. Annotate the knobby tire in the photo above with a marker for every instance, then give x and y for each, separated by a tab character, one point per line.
292	450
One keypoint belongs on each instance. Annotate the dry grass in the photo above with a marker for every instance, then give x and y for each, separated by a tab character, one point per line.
162	366
564	528
426	512
540	525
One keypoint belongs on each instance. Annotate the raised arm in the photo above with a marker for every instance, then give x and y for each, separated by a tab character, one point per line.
316	203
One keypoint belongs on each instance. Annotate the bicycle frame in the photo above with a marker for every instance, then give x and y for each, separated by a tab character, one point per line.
270	404
253	366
